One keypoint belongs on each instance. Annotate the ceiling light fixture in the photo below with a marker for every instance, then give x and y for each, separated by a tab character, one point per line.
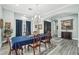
37	12
37	18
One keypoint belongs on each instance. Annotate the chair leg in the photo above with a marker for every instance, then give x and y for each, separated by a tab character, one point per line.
25	48
34	51
9	52
22	51
45	45
28	47
16	51
49	43
39	49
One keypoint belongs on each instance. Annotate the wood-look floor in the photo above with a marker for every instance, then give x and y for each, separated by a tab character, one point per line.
66	47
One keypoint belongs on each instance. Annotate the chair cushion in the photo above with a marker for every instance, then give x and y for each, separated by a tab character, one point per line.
35	44
46	40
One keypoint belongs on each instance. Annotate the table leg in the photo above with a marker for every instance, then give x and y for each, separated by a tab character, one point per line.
16	51
45	45
28	47
49	44
34	51
22	51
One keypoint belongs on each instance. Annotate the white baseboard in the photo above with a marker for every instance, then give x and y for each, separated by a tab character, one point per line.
74	38
59	36
0	45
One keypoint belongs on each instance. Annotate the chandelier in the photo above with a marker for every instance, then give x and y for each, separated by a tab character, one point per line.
37	17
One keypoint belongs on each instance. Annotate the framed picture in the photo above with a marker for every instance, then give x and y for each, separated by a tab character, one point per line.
40	26
1	23
35	26
7	25
67	24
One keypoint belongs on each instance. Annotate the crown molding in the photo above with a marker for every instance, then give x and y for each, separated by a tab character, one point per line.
56	11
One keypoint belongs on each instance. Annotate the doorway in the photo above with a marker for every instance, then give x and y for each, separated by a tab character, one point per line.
47	26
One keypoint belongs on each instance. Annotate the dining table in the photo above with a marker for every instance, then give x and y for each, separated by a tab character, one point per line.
19	41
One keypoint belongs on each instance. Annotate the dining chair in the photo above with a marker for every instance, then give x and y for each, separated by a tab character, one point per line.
47	39
17	51
26	46
36	43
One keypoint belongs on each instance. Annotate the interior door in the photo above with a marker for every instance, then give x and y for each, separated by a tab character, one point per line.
18	27
47	26
28	27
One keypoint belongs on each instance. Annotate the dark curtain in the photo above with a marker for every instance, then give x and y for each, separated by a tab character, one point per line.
47	26
28	28
18	27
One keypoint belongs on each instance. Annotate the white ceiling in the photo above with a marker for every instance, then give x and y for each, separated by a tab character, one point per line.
42	9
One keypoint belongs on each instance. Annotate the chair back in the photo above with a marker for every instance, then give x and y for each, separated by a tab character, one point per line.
48	36
35	33
36	39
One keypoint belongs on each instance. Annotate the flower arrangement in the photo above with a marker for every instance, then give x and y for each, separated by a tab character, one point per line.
7	32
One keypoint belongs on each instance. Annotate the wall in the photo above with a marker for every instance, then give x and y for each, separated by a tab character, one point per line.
0	29
8	16
78	29
54	29
75	25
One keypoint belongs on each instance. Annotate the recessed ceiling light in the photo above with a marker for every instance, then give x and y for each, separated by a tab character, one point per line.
37	5
29	8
